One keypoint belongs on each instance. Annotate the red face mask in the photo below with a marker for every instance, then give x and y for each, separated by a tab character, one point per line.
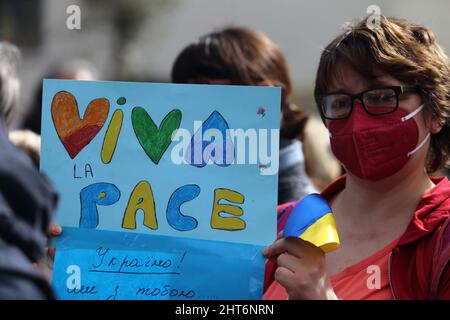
375	147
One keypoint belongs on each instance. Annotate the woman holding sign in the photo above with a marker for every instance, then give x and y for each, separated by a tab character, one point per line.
384	94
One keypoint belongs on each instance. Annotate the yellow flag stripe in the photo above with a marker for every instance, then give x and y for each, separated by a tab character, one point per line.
323	233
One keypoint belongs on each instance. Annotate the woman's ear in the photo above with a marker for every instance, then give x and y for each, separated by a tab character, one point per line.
432	123
435	125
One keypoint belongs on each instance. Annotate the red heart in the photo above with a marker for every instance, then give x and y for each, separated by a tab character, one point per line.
75	133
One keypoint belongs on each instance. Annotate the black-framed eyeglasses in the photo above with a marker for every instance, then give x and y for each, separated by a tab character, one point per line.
377	101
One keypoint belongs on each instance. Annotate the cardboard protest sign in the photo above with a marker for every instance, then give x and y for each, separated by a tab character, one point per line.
166	191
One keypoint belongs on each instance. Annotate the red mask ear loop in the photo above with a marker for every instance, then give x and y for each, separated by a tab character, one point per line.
419	146
412	114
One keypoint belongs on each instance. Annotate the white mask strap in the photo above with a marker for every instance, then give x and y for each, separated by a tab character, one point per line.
412	114
419	146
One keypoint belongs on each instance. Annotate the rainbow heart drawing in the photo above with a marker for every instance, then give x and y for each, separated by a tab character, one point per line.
75	133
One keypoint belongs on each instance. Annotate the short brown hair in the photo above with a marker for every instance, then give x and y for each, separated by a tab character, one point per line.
405	51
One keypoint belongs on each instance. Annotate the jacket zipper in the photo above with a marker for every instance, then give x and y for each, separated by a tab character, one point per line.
389	275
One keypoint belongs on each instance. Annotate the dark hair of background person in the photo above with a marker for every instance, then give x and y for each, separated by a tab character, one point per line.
409	53
243	57
71	69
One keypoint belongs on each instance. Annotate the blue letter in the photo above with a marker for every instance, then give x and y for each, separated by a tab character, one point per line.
176	219
101	193
219	149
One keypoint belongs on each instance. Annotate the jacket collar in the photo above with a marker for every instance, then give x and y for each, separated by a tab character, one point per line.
433	208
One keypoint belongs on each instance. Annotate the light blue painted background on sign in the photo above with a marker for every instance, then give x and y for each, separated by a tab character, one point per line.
218	264
237	104
201	269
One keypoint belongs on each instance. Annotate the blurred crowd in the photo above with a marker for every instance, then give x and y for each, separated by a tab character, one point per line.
237	56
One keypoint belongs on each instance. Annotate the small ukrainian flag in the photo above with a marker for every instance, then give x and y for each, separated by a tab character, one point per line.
312	220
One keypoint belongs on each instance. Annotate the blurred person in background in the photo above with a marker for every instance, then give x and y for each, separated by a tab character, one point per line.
29	142
28	136
384	95
320	163
241	56
26	200
71	70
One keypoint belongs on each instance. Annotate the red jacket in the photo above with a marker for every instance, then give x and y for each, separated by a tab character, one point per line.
420	263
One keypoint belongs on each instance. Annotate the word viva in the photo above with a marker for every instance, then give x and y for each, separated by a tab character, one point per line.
212	143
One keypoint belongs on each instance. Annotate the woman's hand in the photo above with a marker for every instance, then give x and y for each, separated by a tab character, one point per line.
54	230
300	269
45	264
